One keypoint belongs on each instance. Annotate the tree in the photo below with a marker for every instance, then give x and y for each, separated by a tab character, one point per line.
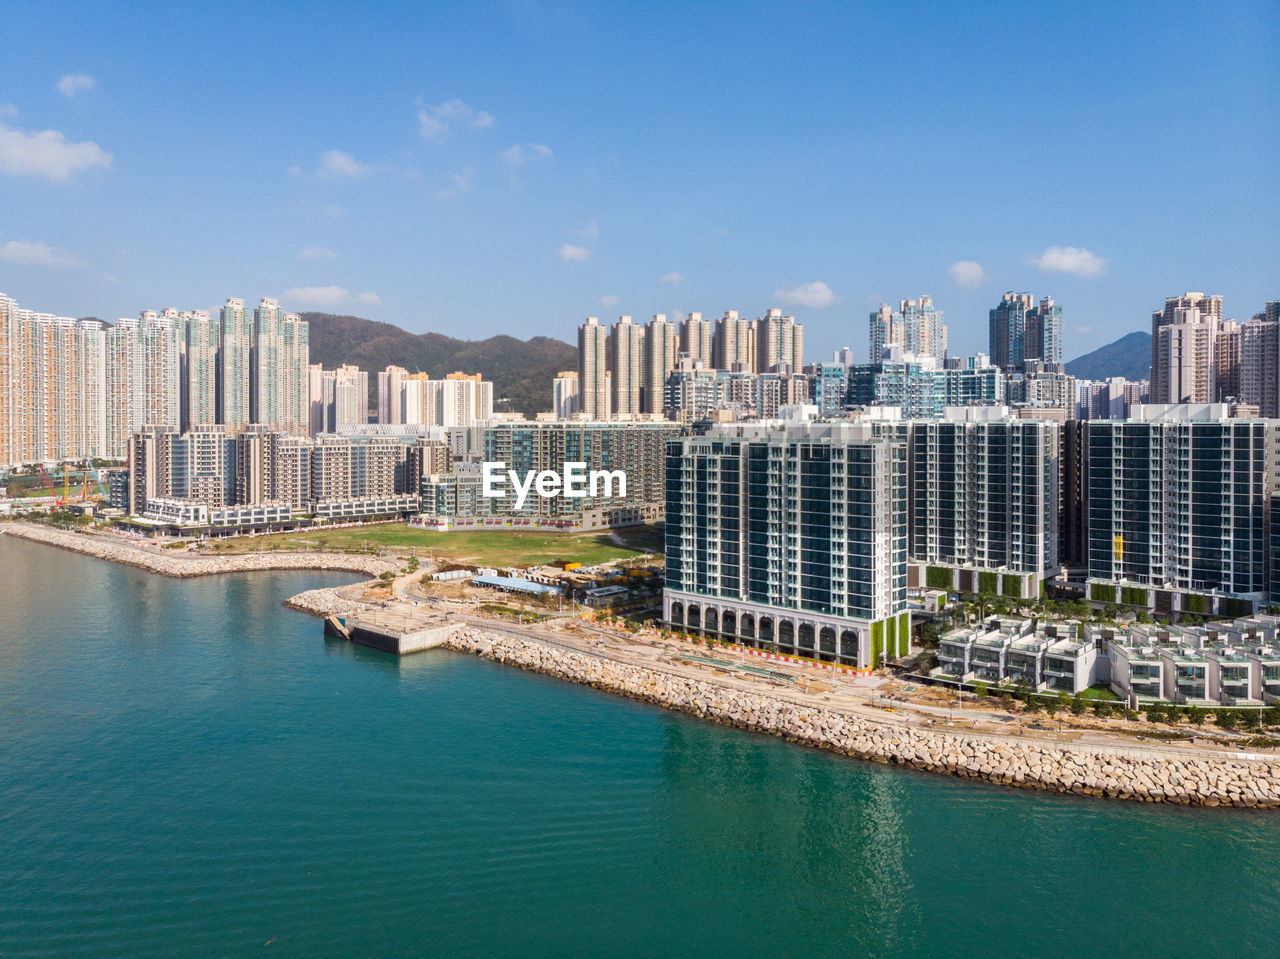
1033	704
1064	700
1155	712
1101	708
980	690
928	633
1051	706
387	577
1196	715
1250	718
1227	719
1077	705
1272	716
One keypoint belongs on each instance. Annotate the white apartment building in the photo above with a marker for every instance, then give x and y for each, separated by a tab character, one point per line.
593	383
790	536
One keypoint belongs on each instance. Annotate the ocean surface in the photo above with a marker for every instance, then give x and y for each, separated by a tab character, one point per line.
189	769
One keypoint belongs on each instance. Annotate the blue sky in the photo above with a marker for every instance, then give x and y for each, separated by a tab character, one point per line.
484	168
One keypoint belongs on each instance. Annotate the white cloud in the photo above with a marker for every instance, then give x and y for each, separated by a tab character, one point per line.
36	253
317	253
435	122
1070	259
1084	330
460	183
333	211
589	232
8	110
610	300
966	273
328	296
73	83
815	295
47	153
523	153
573	254
674	278
340	165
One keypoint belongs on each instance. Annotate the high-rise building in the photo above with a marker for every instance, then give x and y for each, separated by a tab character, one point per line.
234	354
1183	352
625	348
389	381
201	341
984	492
342	398
465	399
1008	330
1020	331
733	346
790	537
278	369
592	369
916	326
916	386
564	395
51	386
460	399
779	342
660	342
695	338
143	377
1259	375
633	450
1177	503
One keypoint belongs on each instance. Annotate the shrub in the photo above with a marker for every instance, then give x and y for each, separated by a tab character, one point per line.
1249	718
387	577
1196	715
1227	719
980	689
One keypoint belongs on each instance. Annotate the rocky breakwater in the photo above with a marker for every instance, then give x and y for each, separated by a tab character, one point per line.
157	561
326	601
1084	771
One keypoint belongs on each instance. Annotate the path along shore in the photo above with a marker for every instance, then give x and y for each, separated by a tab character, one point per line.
1136	774
156	561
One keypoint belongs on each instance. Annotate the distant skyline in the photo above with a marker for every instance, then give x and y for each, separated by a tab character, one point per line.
512	168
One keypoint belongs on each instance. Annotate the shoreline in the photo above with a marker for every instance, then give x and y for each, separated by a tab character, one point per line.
182	567
1131	774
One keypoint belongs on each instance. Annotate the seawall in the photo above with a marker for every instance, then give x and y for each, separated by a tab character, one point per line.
184	566
1086	771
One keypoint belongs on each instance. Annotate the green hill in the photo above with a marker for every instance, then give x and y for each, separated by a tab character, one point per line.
1129	356
521	370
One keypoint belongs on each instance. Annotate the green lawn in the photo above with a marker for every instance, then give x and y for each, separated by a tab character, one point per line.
1101	693
491	547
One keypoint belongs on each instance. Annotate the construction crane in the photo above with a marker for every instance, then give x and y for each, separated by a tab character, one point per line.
49	486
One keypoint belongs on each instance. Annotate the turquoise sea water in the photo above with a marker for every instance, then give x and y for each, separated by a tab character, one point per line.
187	768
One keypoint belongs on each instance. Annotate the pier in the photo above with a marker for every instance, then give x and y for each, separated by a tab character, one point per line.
393	629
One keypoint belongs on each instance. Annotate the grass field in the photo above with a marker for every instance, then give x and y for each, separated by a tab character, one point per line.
490	547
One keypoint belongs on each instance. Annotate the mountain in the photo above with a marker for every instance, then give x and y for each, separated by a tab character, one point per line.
1129	356
521	370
